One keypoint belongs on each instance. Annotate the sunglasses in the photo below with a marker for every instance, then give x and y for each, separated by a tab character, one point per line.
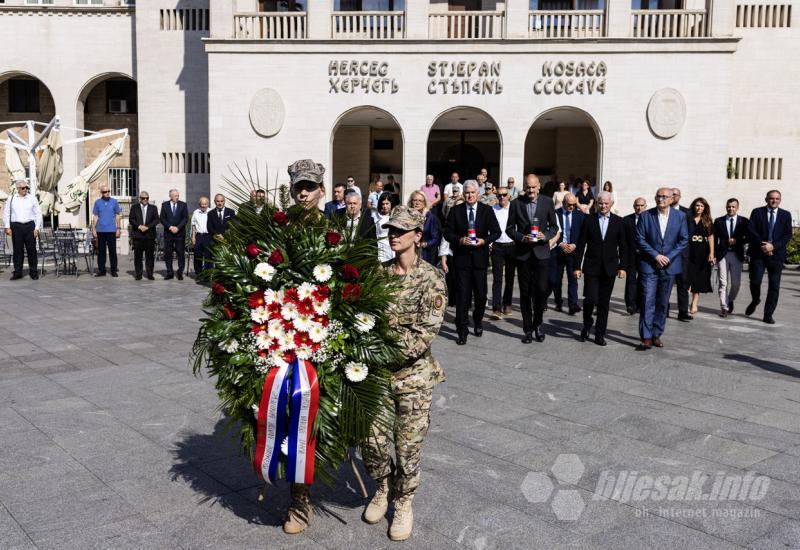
663	197
572	204
105	192
397	232
502	194
25	188
305	186
144	198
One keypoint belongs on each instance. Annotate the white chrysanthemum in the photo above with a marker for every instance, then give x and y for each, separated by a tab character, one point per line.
229	346
306	290
302	322
263	340
276	358
355	372
265	271
259	315
286	341
323	273
269	296
317	333
364	322
285	446
303	353
275	328
321	308
289	311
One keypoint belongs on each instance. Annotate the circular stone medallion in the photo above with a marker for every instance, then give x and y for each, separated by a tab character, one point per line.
267	112
666	113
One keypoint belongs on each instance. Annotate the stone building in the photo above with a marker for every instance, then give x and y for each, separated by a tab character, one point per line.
689	93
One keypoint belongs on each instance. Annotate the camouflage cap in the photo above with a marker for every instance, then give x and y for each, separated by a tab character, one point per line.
405	218
306	170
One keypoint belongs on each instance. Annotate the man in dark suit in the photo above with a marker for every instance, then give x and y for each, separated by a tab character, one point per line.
730	236
470	256
602	255
682	278
143	219
661	235
532	224
633	287
220	217
562	257
174	217
337	204
359	223
769	231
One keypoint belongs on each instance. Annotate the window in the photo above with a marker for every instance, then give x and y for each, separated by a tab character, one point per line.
120	97
763	15
565	5
657	4
383	144
369	5
184	19
23	96
185	163
281	5
88	2
122	182
755	168
39	2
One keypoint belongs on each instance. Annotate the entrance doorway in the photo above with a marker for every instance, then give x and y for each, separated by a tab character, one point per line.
563	144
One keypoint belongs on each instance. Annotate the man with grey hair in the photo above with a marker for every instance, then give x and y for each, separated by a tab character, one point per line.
22	219
174	217
105	228
633	287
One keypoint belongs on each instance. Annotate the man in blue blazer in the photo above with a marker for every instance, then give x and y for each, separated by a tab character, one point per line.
570	221
174	217
661	235
770	230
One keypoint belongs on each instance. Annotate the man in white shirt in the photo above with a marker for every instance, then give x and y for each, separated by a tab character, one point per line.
351	184
513	192
448	189
503	264
201	240
22	219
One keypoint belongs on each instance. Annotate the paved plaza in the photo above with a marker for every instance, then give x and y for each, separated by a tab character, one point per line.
107	440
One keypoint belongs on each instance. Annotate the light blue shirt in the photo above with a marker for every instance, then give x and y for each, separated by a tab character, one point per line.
106	212
603	224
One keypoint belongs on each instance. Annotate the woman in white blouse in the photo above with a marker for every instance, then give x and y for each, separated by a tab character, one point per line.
385	252
558	196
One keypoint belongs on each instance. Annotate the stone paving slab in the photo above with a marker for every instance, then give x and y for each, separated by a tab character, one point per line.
109	441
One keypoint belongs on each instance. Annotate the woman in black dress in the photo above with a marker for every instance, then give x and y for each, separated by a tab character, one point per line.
701	250
585	197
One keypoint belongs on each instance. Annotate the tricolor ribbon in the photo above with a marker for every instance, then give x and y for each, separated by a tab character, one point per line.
272	422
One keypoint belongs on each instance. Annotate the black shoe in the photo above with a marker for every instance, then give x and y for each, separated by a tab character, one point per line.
600	340
138	277
114	274
180	276
151	278
34	276
684	317
574	309
559	308
751	308
528	338
730	308
478	331
538	334
167	277
584	334
100	274
631	310
16	276
769	320
462	339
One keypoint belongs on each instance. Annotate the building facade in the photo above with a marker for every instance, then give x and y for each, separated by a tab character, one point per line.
643	93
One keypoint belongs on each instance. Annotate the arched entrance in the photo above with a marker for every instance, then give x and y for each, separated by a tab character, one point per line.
109	102
464	140
367	143
563	144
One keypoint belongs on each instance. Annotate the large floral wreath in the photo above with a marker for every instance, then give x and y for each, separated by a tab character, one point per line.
295	301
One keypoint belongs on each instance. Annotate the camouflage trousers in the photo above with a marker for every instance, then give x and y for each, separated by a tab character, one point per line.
412	419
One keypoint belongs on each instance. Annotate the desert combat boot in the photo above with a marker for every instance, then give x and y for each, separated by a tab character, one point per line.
376	509
403	520
300	511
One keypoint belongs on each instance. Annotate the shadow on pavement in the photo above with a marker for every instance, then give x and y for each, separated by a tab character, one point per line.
764	364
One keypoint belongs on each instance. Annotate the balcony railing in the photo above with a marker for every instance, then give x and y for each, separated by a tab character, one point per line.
669	24
566	24
470	25
270	26
368	25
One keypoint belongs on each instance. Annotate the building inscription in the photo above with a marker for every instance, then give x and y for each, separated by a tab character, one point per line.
464	77
572	77
351	76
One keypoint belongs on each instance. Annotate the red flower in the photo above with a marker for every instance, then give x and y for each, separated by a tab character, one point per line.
322	320
289	356
229	311
252	250
262	353
332	238
301	339
350	273
291	295
258	328
217	289
276	258
305	307
351	292
322	293
256	299
274	346
274	310
280	218
287	325
315	347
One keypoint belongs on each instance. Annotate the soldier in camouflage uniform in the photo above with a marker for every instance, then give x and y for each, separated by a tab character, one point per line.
416	316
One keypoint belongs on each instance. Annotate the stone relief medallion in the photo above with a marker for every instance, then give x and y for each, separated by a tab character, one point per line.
267	112
666	113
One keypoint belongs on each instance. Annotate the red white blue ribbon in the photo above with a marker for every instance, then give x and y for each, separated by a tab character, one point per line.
272	422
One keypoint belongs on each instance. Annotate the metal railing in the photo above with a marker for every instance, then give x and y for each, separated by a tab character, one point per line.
270	26
368	25
470	25
669	23
566	24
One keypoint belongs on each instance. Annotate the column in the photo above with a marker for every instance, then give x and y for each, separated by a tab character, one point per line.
517	18
319	19
721	18
72	155
415	154
222	18
618	18
512	163
417	20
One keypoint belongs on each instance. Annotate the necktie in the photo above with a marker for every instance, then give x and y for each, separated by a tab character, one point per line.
730	232
471	215
173	208
603	226
771	224
219	212
567	226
